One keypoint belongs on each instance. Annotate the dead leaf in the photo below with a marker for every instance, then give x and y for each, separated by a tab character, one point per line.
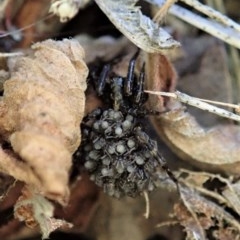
198	214
41	111
161	76
138	28
216	148
35	210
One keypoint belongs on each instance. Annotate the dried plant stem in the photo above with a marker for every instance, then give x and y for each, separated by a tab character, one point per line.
210	175
218	25
221	199
197	233
162	12
213	14
233	61
147	203
233	54
17	31
13	54
167	224
208	193
218	212
201	103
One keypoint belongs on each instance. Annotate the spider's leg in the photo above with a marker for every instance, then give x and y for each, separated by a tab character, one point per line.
128	84
139	97
92	115
117	94
103	79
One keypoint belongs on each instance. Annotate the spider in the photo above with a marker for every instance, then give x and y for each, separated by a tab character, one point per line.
116	151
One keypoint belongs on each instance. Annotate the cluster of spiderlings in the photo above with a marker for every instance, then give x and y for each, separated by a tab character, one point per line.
118	154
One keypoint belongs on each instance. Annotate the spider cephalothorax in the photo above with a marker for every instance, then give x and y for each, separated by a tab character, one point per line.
116	151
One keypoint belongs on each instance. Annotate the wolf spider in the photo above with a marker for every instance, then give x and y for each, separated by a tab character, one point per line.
116	151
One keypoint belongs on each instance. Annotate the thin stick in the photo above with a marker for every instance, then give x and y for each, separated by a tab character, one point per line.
26	27
199	103
167	224
13	54
162	12
147	211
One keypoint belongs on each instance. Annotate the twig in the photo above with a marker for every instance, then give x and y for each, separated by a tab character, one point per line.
211	175
162	12
207	192
197	233
13	54
201	103
167	224
13	32
147	211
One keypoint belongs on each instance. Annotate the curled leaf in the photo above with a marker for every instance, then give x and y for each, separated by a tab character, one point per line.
216	148
138	28
41	111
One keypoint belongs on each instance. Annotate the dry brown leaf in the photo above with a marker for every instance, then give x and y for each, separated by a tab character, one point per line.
137	27
216	148
161	76
41	111
211	204
35	210
232	194
228	190
207	214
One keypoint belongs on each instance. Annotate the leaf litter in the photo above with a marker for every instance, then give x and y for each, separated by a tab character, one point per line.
197	212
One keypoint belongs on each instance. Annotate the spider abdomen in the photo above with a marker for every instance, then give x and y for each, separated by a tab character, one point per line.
114	156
